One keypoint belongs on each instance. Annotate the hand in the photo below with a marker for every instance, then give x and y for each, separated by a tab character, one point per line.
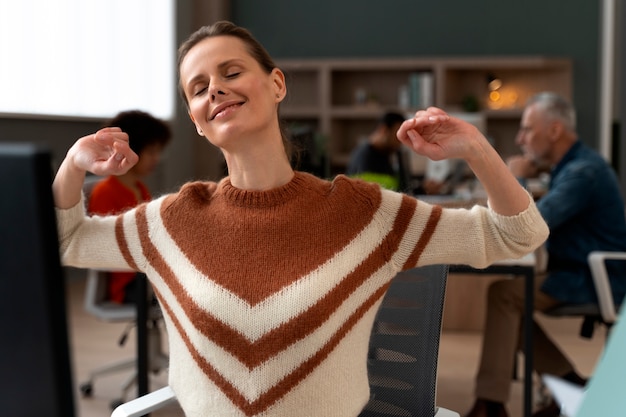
105	152
436	135
522	167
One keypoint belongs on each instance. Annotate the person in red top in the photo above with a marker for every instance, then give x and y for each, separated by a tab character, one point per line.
148	136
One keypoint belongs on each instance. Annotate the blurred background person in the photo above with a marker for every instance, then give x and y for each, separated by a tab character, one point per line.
584	210
148	136
379	158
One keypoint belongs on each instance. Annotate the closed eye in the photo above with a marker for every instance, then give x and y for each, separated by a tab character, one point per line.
201	91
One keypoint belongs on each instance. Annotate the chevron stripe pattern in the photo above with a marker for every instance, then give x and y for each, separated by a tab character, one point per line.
269	296
265	304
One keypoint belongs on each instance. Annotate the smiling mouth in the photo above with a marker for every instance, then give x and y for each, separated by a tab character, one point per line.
222	110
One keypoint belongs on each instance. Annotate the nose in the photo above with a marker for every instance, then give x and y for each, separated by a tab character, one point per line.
215	90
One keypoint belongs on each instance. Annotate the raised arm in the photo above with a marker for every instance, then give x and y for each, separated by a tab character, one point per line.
436	135
105	152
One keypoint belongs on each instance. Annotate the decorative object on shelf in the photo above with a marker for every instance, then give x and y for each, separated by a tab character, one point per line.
499	97
360	96
495	97
365	97
470	103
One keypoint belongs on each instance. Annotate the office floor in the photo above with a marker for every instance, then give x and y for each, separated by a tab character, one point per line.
94	343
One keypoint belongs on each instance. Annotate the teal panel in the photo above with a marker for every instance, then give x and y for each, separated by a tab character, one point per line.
339	28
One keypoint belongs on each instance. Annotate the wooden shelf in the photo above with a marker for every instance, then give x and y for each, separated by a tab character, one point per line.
300	112
504	114
357	112
343	98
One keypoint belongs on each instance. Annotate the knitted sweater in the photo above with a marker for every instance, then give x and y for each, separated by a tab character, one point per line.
269	296
111	196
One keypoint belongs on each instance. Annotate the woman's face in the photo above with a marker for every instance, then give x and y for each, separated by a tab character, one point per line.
230	96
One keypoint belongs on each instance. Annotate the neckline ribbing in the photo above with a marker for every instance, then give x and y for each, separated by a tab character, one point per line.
262	198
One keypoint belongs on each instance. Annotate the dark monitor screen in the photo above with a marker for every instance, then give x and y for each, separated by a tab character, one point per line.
34	353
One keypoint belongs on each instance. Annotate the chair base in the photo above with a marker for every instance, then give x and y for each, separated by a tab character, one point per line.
157	361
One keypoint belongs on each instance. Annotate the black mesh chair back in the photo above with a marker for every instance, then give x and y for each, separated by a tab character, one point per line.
404	345
403	351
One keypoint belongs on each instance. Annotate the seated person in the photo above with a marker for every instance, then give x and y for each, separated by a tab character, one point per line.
584	210
379	158
148	136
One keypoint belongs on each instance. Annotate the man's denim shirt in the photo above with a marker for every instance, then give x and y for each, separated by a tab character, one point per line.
584	210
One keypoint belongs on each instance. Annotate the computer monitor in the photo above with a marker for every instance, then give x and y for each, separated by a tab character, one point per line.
34	352
309	158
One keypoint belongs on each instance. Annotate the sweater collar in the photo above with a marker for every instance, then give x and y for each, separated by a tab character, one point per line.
264	198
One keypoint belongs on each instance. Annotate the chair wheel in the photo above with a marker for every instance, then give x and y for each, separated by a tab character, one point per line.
86	389
116	403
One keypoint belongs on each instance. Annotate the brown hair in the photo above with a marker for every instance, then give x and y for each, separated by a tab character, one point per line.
254	48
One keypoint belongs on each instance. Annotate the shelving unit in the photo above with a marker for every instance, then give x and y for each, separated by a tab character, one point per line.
342	98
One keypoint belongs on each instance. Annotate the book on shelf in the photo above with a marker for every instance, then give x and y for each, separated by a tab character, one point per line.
421	89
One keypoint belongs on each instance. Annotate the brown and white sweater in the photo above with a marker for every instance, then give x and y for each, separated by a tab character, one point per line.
269	296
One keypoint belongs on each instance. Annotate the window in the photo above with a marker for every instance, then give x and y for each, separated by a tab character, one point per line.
87	58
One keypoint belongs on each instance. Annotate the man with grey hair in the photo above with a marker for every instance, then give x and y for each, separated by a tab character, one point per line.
584	210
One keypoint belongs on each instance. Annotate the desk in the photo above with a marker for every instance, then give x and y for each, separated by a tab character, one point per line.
522	267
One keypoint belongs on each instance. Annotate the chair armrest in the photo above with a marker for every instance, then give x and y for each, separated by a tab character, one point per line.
600	276
146	403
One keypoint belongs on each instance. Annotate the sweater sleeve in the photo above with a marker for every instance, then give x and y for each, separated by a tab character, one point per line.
477	237
88	242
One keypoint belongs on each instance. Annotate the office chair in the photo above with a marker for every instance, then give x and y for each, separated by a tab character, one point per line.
604	393
604	312
96	304
404	346
402	360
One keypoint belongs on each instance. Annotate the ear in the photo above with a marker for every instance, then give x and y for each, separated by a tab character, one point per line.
556	129
198	129
278	81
